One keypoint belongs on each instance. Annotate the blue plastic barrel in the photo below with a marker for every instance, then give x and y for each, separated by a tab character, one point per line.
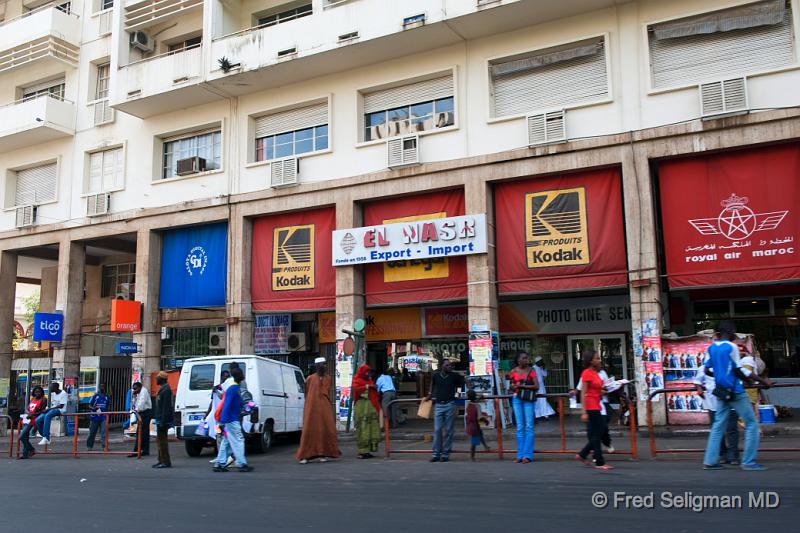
767	414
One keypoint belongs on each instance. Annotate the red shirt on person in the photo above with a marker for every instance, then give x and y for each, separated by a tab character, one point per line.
35	407
594	391
516	379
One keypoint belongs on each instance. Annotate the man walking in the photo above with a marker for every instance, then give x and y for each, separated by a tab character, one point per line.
728	374
444	385
386	388
143	406
232	438
164	420
58	406
98	404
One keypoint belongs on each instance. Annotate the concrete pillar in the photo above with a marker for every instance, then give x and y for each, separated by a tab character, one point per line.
69	301
645	290
240	308
481	268
350	296
148	279
8	285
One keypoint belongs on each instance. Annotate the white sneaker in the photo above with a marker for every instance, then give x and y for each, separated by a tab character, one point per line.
609	449
44	441
230	461
323	460
304	461
214	460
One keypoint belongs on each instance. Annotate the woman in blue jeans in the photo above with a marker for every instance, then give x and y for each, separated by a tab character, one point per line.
523	386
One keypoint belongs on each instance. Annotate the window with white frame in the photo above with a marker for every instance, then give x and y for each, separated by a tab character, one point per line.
102	5
291	132
282	15
52	88
721	44
103	78
206	145
185	44
416	107
119	281
35	185
556	77
106	171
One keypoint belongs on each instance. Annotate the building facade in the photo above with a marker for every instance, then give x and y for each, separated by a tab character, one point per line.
623	154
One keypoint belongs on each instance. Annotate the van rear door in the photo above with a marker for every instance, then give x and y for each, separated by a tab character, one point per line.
273	397
293	384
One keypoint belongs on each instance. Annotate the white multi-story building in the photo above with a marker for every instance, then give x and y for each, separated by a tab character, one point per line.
122	119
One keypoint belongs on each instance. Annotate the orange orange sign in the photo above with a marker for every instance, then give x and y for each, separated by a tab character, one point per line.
391	324
126	315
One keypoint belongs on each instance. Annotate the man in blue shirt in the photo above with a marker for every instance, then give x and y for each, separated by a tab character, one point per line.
98	404
388	392
723	360
231	426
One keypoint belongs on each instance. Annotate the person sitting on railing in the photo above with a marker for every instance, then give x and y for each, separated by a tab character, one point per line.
36	407
58	406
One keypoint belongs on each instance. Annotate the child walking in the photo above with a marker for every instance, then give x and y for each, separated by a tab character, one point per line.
473	418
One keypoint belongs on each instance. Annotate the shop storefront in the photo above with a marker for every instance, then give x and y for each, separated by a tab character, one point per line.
562	273
293	283
731	253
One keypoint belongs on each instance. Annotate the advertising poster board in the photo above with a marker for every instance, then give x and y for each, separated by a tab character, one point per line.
271	334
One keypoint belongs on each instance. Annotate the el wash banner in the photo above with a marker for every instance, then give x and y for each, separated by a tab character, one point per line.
732	218
415	280
291	264
194	267
561	233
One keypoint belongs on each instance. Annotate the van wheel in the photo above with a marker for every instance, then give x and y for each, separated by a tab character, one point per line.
264	442
193	447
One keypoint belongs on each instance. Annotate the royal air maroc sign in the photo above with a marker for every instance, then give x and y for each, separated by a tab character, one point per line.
415	240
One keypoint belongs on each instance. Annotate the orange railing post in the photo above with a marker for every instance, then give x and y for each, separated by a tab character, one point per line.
561	423
634	447
498	424
75	435
387	440
650	428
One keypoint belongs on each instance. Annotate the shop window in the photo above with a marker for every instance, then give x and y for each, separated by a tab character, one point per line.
788	306
711	310
119	281
751	307
202	377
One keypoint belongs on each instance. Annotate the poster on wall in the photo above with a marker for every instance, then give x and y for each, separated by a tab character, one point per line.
408	279
194	266
681	360
271	334
651	359
291	261
561	232
344	381
734	229
480	354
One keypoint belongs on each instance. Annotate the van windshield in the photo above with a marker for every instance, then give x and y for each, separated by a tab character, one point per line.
201	377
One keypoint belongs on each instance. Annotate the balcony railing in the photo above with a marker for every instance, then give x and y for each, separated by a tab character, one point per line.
48	32
140	14
35	120
160	73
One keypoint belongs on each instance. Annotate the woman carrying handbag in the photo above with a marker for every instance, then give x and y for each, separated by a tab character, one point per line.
524	385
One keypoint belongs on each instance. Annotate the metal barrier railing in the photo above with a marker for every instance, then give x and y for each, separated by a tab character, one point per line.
106	448
10	434
499	428
654	451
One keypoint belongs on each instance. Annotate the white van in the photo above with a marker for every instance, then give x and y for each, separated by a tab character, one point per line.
277	388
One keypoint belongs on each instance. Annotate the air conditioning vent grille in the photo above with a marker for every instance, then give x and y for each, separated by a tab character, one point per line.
402	151
546	128
284	172
98	204
103	113
722	97
25	216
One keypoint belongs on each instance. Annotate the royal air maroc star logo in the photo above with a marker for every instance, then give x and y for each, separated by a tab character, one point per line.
736	221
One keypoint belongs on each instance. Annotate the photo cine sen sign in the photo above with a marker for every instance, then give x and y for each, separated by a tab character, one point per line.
409	241
48	327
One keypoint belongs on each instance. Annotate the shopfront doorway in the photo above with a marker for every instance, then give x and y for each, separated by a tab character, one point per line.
612	350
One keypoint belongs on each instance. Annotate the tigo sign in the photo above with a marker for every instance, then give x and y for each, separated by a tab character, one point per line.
48	327
414	240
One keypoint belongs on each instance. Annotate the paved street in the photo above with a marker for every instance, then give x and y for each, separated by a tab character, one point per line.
403	494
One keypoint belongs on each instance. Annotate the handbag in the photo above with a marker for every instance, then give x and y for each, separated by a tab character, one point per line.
722	393
527	395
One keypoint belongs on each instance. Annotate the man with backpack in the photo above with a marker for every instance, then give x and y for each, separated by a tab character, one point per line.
231	426
728	375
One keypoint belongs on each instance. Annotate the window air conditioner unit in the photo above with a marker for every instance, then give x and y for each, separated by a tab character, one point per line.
191	165
98	204
545	128
284	172
103	113
297	342
25	216
141	41
217	340
403	151
724	97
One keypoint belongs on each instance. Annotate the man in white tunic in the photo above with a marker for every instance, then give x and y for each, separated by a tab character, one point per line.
542	407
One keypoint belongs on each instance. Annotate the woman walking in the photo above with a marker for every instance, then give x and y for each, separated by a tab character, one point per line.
367	407
37	406
592	390
523	386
